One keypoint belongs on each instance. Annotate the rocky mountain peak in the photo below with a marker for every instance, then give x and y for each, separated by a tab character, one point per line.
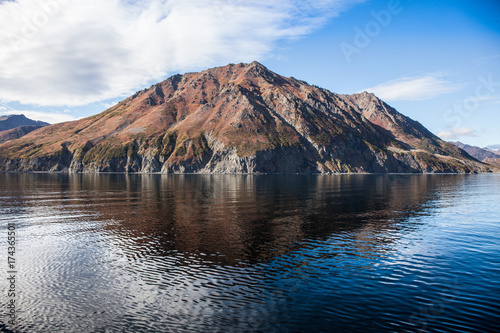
239	118
8	122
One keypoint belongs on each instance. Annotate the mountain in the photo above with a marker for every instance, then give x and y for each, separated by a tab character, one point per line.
240	118
482	154
494	148
13	121
17	132
493	161
15	126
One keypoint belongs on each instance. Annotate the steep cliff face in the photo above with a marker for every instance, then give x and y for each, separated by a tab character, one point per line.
239	119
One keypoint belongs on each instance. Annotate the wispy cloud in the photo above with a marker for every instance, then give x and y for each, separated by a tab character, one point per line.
414	88
61	52
457	133
492	101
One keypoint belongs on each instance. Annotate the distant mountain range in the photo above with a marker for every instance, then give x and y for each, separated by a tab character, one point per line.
486	155
239	118
15	126
495	148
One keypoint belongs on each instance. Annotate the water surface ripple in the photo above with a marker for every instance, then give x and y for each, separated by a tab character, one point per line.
226	253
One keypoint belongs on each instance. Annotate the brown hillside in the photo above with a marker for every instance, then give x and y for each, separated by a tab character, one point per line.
239	118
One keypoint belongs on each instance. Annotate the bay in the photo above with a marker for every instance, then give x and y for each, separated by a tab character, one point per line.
242	253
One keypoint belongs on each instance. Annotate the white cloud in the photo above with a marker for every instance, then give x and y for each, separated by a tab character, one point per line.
62	52
457	133
414	88
48	117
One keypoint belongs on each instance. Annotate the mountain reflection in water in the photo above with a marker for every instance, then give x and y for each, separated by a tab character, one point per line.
140	253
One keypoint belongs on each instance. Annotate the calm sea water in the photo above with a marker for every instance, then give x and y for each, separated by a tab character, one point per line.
201	253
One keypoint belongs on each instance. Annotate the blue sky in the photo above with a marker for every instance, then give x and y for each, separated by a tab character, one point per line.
437	62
